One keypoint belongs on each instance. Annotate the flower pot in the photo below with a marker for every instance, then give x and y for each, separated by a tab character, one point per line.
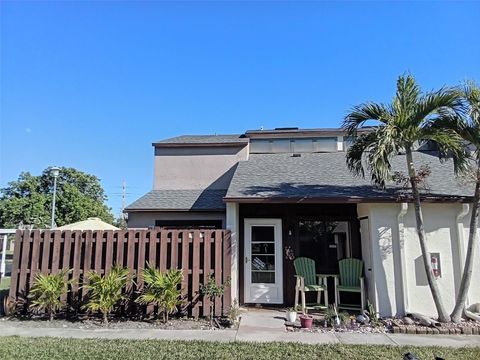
306	321
291	316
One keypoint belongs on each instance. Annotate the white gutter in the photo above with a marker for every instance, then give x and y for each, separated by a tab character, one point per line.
461	239
403	267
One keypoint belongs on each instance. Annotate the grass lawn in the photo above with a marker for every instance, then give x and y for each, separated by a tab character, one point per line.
54	348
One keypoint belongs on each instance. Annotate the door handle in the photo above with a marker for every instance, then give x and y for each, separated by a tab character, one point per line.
246	260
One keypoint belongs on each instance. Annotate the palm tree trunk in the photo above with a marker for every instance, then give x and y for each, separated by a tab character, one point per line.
105	318
468	267
437	299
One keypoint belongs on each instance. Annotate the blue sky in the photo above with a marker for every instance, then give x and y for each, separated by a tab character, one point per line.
92	84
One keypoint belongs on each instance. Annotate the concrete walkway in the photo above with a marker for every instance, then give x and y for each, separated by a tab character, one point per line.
256	325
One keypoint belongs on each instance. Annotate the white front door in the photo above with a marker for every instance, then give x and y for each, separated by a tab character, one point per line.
263	261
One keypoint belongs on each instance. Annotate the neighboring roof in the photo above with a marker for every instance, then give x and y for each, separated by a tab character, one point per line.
92	223
174	200
298	133
204	140
325	177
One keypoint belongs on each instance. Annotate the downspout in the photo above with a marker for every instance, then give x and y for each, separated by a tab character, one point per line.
403	267
461	240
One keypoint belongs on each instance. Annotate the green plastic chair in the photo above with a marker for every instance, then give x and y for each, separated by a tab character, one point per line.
350	280
307	281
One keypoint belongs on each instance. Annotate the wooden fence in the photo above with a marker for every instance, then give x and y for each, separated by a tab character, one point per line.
198	252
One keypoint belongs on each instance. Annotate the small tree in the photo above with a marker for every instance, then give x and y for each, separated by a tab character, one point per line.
106	291
406	121
162	289
46	291
212	291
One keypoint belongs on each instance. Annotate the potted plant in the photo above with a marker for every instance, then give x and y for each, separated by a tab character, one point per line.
306	321
291	314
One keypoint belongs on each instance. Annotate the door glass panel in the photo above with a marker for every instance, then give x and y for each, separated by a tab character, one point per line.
263	277
263	248
263	254
263	233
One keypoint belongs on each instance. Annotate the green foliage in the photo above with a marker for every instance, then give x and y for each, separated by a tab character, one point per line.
89	349
28	200
212	291
411	118
106	291
162	289
407	120
331	314
46	292
234	312
372	312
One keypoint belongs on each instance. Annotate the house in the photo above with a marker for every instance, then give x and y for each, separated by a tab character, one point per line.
287	192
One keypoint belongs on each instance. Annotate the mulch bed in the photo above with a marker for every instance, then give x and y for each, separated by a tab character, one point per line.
94	323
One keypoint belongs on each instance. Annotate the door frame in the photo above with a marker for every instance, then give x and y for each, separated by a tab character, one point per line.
279	281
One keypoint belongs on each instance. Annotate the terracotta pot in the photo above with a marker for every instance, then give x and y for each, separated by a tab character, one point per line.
291	316
306	321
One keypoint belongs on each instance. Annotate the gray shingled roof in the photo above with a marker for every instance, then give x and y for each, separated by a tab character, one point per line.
325	175
195	200
205	139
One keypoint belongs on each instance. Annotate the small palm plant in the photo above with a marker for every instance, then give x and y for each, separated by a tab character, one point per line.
162	289
106	291
46	291
212	291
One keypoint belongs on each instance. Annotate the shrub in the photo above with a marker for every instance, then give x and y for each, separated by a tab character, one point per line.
162	289
106	291
212	291
46	291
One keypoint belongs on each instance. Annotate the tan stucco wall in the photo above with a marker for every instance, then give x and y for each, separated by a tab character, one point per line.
442	237
146	219
196	168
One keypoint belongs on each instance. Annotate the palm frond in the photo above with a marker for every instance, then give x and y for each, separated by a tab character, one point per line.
360	114
446	102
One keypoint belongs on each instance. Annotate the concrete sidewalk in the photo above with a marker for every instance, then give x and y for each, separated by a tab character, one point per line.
255	326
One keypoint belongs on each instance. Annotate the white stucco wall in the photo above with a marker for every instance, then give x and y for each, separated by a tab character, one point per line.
386	252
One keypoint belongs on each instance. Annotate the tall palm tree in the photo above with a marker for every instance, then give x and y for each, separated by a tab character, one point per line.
468	127
401	125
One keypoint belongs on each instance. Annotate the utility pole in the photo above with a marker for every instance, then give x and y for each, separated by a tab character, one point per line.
124	195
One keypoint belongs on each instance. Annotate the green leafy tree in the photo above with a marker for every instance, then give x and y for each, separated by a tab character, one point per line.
162	289
468	127
106	291
405	122
28	200
46	291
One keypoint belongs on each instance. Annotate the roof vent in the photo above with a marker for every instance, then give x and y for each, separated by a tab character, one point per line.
296	155
286	128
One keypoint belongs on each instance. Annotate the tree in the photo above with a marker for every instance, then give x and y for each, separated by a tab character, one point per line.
468	127
405	122
28	200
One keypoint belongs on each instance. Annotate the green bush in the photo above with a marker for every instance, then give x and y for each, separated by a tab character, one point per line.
106	291
162	289
46	291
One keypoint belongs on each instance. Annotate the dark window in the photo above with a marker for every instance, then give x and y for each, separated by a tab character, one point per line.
189	224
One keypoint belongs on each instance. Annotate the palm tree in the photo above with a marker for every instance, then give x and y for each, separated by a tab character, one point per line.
468	127
401	125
